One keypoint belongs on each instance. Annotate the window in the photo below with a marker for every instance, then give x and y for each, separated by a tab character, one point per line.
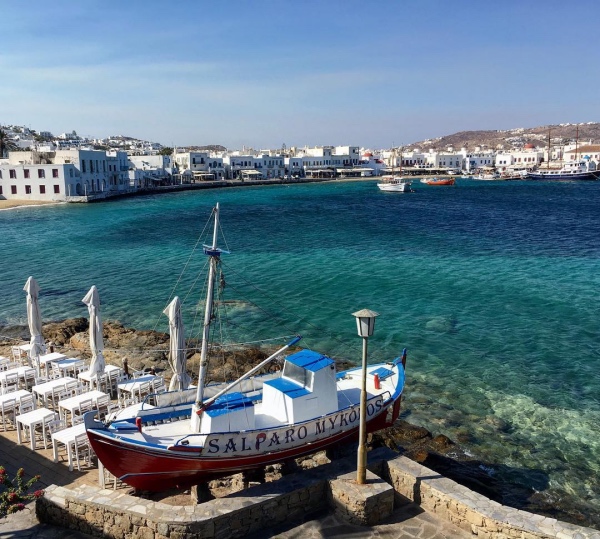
0	189
56	189
13	189
55	173
41	173
12	173
26	172
42	189
83	166
28	189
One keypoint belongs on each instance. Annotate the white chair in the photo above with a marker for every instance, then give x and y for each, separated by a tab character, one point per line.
138	374
102	404
58	393
83	450
84	407
8	411
53	426
72	388
30	379
54	372
144	389
10	383
26	404
16	353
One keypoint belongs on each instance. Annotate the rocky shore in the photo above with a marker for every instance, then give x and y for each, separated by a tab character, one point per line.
145	350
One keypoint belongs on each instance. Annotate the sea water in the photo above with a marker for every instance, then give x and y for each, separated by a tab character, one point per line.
492	287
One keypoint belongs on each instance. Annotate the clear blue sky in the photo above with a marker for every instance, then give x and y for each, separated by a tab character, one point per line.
262	73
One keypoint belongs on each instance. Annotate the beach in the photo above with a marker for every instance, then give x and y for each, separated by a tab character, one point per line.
11	204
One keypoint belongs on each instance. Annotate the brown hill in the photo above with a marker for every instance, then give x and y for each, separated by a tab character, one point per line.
515	138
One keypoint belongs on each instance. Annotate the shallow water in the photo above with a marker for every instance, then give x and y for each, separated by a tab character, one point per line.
492	286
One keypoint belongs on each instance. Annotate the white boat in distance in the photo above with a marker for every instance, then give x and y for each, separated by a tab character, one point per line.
195	435
397	184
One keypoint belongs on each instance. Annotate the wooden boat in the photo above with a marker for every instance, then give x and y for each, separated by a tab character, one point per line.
394	183
440	181
195	435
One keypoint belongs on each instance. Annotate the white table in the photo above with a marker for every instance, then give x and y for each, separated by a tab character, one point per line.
71	404
132	386
67	365
31	420
43	391
14	395
91	378
19	371
47	358
67	437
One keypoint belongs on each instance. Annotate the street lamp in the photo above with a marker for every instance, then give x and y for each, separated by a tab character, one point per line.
365	324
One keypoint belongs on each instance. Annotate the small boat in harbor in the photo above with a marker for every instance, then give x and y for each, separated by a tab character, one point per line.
439	181
396	184
181	438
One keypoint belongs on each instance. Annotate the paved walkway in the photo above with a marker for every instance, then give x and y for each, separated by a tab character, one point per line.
407	522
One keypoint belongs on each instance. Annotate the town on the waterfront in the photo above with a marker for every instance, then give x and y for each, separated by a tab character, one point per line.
41	167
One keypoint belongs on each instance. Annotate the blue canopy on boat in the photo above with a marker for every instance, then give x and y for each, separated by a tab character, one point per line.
309	360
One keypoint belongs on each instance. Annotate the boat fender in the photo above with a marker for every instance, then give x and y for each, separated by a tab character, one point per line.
376	381
138	423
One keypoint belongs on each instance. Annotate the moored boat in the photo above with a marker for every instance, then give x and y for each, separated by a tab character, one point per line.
577	170
193	435
397	184
439	181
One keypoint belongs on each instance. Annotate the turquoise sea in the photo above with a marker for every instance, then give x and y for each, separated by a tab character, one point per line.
492	287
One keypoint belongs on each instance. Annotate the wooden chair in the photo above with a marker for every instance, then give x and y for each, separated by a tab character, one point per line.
10	383
8	411
26	404
30	379
102	404
83	450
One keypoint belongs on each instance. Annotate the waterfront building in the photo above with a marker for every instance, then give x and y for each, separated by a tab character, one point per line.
147	171
199	166
63	175
591	151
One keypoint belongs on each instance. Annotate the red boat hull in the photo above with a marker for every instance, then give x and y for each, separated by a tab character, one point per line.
155	469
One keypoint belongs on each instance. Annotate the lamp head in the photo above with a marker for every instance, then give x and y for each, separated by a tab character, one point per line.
365	322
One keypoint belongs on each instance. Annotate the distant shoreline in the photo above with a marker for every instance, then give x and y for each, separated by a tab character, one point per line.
12	204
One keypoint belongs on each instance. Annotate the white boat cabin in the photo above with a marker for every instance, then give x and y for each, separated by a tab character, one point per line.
306	389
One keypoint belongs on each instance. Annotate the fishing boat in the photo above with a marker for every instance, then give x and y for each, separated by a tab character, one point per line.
439	181
189	436
395	183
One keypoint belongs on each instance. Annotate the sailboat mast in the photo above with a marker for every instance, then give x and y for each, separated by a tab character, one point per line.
214	254
576	144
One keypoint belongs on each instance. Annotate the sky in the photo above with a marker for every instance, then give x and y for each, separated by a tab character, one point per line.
265	73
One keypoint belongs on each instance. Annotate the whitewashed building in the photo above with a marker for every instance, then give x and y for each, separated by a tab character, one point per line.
63	174
199	166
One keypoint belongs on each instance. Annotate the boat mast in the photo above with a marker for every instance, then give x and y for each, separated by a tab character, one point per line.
548	163
576	143
213	253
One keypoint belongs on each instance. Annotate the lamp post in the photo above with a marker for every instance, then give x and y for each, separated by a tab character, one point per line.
365	324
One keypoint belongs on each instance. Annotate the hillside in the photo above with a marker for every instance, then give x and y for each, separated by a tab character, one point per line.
514	138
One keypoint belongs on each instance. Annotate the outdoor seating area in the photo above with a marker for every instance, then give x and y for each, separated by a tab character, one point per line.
46	410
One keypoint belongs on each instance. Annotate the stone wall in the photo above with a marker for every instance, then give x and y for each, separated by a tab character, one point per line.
289	500
471	511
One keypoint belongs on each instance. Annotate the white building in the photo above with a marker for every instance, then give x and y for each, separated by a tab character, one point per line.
56	176
198	166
